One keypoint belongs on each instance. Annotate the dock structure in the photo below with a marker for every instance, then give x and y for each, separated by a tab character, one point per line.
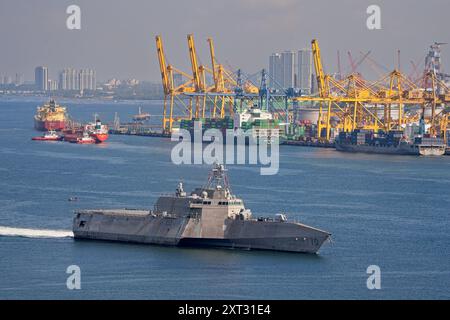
344	102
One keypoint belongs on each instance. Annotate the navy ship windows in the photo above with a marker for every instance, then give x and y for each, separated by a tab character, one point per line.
231	203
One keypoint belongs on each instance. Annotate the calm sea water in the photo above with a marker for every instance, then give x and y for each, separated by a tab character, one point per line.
390	211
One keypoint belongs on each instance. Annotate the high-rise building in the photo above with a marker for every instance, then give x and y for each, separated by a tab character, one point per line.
304	75
77	80
275	71
288	69
52	85
69	80
41	78
87	79
19	79
282	70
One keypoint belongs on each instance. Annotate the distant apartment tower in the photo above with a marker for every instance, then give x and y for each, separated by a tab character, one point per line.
275	71
19	79
304	75
282	70
288	69
68	80
76	80
6	79
41	78
52	85
87	79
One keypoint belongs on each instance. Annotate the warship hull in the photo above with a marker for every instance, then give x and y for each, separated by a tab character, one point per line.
143	227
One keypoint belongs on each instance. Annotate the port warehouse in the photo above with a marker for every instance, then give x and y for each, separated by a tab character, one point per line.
394	104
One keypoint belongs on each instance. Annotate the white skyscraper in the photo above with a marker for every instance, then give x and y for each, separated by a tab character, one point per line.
71	79
275	71
304	76
282	70
87	79
7	80
19	79
52	85
288	69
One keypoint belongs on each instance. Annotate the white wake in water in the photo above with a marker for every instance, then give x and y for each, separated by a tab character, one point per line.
34	233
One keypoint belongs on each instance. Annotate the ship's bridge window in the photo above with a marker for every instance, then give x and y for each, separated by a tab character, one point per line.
223	203
206	202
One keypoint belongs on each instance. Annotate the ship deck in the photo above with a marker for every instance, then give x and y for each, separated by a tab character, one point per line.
116	212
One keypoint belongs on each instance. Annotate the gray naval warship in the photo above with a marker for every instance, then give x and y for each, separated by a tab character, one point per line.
210	216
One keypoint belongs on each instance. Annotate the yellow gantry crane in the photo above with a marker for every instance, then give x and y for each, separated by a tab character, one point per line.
223	83
173	94
195	97
345	104
360	104
216	95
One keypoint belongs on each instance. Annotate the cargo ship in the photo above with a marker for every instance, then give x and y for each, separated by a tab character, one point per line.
392	142
96	131
210	216
261	124
50	116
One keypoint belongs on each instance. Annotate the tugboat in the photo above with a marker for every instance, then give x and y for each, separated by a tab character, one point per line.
211	216
85	139
48	136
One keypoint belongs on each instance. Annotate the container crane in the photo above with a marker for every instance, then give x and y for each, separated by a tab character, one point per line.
172	93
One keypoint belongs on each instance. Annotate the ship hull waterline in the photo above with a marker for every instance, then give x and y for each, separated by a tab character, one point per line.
41	125
414	150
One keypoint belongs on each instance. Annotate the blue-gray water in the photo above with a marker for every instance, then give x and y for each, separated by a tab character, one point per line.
390	211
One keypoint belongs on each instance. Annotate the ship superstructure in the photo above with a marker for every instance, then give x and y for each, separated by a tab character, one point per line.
50	116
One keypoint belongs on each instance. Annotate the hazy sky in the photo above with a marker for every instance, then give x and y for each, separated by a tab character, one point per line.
117	36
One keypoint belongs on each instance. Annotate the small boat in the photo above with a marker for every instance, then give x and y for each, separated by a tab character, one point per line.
85	139
48	136
141	116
